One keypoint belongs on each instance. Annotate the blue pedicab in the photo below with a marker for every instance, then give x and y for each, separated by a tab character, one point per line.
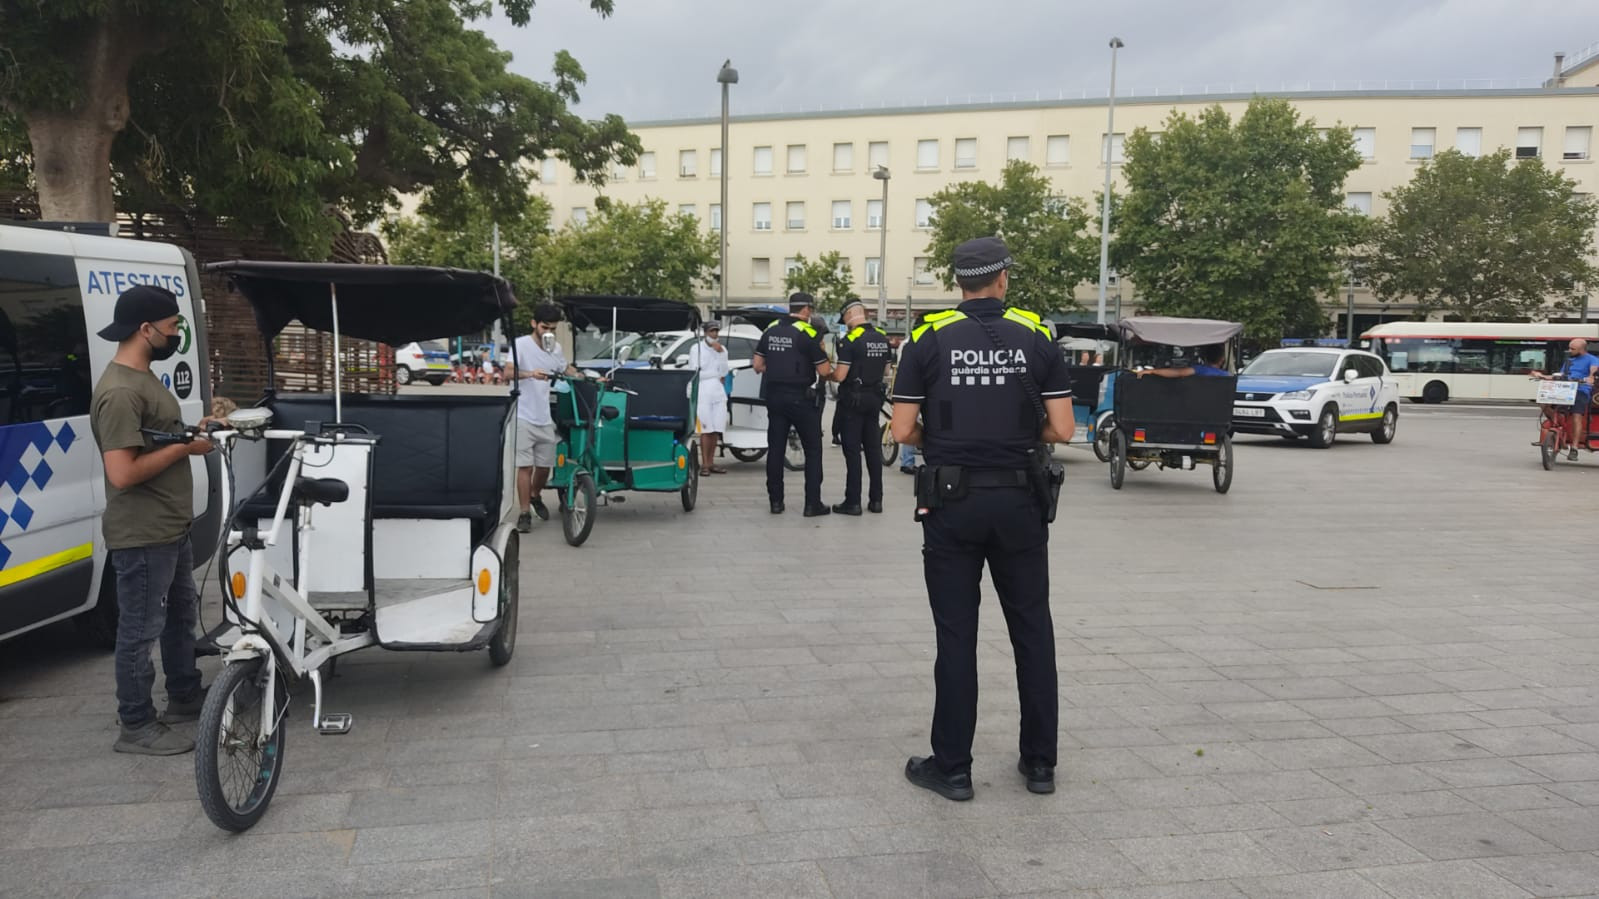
1093	384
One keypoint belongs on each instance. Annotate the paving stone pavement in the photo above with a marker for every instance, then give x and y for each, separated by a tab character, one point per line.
1370	671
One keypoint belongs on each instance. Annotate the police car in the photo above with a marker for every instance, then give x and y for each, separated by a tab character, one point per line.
1317	393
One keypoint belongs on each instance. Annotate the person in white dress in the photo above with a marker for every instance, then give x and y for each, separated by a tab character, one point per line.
709	357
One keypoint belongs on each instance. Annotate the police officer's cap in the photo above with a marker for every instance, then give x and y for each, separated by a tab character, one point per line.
980	257
800	300
852	304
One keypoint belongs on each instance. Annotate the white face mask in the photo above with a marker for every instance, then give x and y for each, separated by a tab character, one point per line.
547	341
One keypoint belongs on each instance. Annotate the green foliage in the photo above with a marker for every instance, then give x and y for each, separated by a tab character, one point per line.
1240	221
1486	239
422	240
827	279
267	112
636	250
1047	235
16	157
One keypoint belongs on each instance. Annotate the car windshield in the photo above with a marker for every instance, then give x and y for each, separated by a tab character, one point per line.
1297	365
433	346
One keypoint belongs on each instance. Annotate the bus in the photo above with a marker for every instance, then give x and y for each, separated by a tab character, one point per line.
1437	361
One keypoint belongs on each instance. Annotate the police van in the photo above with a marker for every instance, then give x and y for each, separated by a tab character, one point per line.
57	288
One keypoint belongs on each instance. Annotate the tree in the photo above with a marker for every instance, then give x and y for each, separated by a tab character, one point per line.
422	240
265	112
1240	221
827	279
1485	238
1047	235
636	250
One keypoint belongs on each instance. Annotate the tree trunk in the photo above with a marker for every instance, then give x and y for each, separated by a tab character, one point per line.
72	148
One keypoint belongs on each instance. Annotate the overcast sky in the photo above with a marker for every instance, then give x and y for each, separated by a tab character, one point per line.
658	58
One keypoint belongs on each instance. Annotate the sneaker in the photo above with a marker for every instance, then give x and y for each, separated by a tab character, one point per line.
540	510
923	773
154	738
524	523
907	469
1572	456
180	710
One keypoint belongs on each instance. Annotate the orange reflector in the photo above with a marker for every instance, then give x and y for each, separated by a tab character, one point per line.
1138	435
682	461
237	582
1210	437
560	460
483	581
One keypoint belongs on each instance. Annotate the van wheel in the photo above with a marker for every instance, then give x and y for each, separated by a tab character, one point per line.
98	626
402	375
1435	392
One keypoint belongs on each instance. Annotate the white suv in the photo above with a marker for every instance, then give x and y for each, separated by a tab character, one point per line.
427	361
1317	393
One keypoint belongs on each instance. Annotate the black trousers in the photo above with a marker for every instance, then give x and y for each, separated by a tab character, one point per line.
860	429
1002	527
788	407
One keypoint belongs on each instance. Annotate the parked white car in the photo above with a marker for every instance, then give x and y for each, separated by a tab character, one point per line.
427	361
1317	393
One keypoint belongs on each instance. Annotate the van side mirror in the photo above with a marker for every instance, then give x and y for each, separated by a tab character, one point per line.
1350	375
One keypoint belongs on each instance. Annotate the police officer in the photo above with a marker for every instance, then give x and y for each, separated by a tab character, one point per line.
789	357
863	354
988	384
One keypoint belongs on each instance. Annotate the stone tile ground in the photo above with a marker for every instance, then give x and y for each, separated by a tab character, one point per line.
1372	671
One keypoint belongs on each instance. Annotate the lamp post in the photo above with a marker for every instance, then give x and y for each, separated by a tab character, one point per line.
881	174
1104	213
727	76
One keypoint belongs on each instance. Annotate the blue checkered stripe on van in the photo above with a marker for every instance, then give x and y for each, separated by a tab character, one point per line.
25	471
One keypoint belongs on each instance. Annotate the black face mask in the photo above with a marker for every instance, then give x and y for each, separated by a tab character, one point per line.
165	349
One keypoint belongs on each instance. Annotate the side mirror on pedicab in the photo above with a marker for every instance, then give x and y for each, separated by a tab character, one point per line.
609	413
681	361
1350	375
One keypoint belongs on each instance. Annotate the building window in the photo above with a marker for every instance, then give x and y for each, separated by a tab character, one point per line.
1016	148
1469	141
1366	142
924	213
794	215
646	165
763	160
790	266
688	163
874	214
1421	142
716	216
841	215
691	210
761	270
1111	148
876	154
619	172
926	155
796	159
966	153
580	215
843	157
547	171
1578	141
874	271
920	270
762	216
1359	202
716	162
1057	149
1529	143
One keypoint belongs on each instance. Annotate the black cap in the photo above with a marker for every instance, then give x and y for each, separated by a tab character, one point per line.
139	304
981	256
850	305
800	300
712	325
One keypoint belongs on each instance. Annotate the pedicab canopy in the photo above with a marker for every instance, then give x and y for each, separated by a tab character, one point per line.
644	315
1178	331
392	304
762	317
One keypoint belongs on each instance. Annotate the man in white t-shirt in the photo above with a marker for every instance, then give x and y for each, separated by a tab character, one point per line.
710	358
535	429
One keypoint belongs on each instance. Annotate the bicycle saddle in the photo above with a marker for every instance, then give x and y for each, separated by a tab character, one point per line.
326	491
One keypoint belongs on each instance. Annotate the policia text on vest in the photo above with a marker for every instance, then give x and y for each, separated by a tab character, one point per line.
790	358
977	389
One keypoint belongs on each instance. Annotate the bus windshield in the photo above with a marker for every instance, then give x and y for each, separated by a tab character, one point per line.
1298	365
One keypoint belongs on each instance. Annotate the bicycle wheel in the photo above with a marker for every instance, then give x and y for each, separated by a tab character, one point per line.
1550	449
235	770
577	520
890	448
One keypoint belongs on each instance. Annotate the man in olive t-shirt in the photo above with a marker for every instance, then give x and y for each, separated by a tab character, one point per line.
149	498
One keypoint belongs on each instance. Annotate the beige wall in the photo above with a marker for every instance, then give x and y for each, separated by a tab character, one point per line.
1392	116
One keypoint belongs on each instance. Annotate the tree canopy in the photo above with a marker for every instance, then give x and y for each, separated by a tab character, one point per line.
634	250
1244	221
469	244
267	112
827	278
1487	239
1047	235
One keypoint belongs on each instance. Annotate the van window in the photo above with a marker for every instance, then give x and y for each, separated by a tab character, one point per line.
44	344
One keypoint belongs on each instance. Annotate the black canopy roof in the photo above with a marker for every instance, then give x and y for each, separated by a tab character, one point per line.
393	304
645	315
762	317
1179	331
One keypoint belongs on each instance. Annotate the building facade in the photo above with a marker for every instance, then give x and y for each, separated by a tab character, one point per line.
802	184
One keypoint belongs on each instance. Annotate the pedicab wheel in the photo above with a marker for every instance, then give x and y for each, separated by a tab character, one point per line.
503	643
890	448
794	452
577	519
1118	459
1103	429
1550	449
1221	474
236	774
747	455
691	487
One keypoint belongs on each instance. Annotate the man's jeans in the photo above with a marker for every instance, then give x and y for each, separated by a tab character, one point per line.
156	599
907	456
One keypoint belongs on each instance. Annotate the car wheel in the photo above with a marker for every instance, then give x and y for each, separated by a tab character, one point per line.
1326	429
1390	425
1435	392
402	375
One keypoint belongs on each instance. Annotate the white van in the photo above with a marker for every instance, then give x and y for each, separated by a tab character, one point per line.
56	290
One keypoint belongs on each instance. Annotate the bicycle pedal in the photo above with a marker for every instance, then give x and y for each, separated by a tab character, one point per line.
335	724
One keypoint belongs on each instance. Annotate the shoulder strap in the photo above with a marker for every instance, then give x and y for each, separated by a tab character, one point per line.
1034	396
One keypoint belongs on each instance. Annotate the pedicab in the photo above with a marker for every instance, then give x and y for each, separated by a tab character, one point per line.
1178	423
1093	383
362	520
1557	434
637	429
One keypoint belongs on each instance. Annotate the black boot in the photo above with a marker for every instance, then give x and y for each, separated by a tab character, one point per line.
818	509
875	506
777	507
847	508
1040	778
923	773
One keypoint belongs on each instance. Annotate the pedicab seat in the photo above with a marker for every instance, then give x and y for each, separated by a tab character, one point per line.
661	403
326	491
565	414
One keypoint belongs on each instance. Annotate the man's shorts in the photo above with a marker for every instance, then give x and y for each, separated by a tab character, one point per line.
535	444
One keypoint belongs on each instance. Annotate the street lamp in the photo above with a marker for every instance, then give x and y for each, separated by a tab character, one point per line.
727	76
1104	213
881	174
